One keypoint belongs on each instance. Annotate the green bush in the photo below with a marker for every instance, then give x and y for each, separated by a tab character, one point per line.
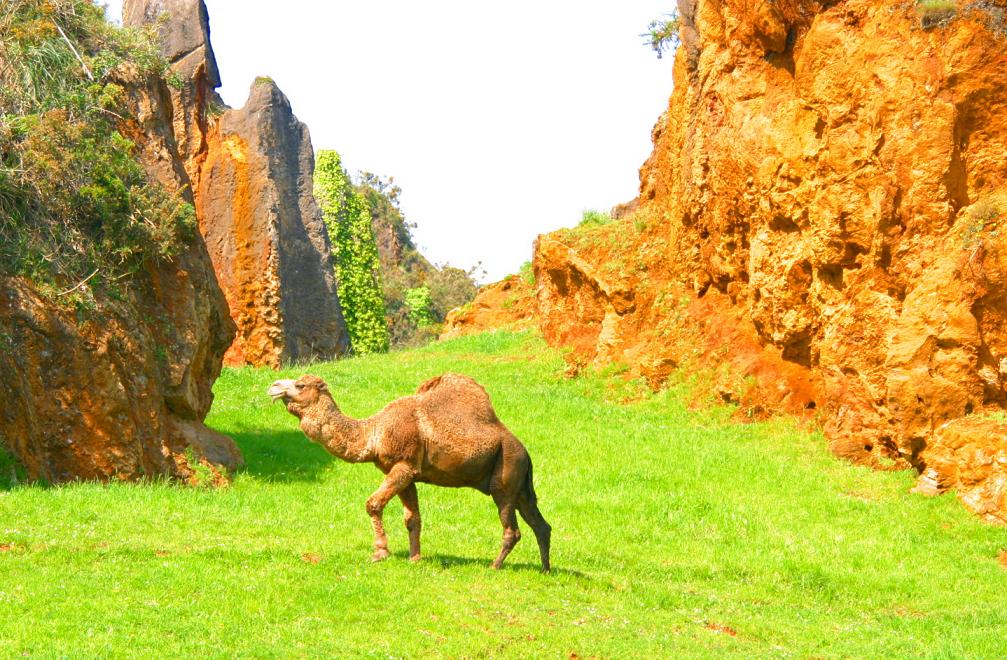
593	218
420	306
404	270
355	254
74	201
981	223
527	273
451	287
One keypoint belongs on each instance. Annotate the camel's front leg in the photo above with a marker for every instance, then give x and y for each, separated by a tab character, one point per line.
411	508
398	479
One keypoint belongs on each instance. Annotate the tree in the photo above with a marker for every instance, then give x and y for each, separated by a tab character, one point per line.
417	294
662	34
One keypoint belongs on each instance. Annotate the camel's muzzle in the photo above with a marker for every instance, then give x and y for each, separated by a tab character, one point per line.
279	388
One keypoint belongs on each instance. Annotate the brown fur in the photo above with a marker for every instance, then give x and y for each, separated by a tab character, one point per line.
446	434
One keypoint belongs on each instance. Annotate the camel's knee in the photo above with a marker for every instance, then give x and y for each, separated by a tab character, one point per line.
374	507
511	537
412	520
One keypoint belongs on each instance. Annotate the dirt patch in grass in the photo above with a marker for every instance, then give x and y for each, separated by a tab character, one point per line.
721	629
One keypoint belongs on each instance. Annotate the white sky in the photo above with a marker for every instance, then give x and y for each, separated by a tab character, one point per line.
500	121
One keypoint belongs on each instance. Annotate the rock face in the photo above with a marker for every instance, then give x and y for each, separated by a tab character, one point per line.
184	35
509	303
819	224
251	171
969	456
120	391
265	233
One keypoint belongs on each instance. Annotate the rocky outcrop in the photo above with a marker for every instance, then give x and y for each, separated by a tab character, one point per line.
265	233
824	195
121	390
184	35
509	303
251	171
969	456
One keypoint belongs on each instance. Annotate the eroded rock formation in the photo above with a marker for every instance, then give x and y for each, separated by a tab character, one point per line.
120	391
251	170
969	455
266	235
819	224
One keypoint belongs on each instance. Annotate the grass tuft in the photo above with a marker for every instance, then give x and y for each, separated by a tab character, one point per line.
936	13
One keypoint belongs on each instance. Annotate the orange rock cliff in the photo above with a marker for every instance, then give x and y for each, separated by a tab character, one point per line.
121	391
820	227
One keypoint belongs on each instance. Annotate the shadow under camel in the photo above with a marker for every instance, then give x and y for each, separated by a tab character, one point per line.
450	561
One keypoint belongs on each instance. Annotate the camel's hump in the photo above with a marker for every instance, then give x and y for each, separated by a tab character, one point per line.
451	397
447	380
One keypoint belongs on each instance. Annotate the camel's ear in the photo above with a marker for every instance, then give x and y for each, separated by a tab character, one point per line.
322	387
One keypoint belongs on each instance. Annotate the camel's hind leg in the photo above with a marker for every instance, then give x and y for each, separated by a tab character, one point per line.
509	476
398	479
528	508
411	509
508	518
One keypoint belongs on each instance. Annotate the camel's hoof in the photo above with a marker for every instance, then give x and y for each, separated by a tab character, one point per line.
380	555
415	558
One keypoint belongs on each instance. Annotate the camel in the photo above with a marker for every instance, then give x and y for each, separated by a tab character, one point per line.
446	434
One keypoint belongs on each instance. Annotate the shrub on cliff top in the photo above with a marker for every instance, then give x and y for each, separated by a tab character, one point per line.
355	252
74	201
663	34
936	13
592	218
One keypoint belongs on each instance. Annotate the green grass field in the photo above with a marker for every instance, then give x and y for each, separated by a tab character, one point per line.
675	533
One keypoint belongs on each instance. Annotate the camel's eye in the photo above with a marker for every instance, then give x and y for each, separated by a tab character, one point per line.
299	386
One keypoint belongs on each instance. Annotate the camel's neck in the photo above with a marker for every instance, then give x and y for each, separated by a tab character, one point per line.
342	436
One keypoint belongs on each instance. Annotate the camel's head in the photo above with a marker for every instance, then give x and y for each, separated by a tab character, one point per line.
299	394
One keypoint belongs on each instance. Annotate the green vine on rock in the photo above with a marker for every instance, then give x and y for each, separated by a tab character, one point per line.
355	254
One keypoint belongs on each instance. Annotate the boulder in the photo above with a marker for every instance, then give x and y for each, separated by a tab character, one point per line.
969	456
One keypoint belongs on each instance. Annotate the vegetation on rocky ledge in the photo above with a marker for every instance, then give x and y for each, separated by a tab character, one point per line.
662	34
74	201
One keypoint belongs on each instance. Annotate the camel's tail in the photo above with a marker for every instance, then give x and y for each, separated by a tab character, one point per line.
529	486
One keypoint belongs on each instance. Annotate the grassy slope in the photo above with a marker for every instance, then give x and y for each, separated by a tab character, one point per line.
670	527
